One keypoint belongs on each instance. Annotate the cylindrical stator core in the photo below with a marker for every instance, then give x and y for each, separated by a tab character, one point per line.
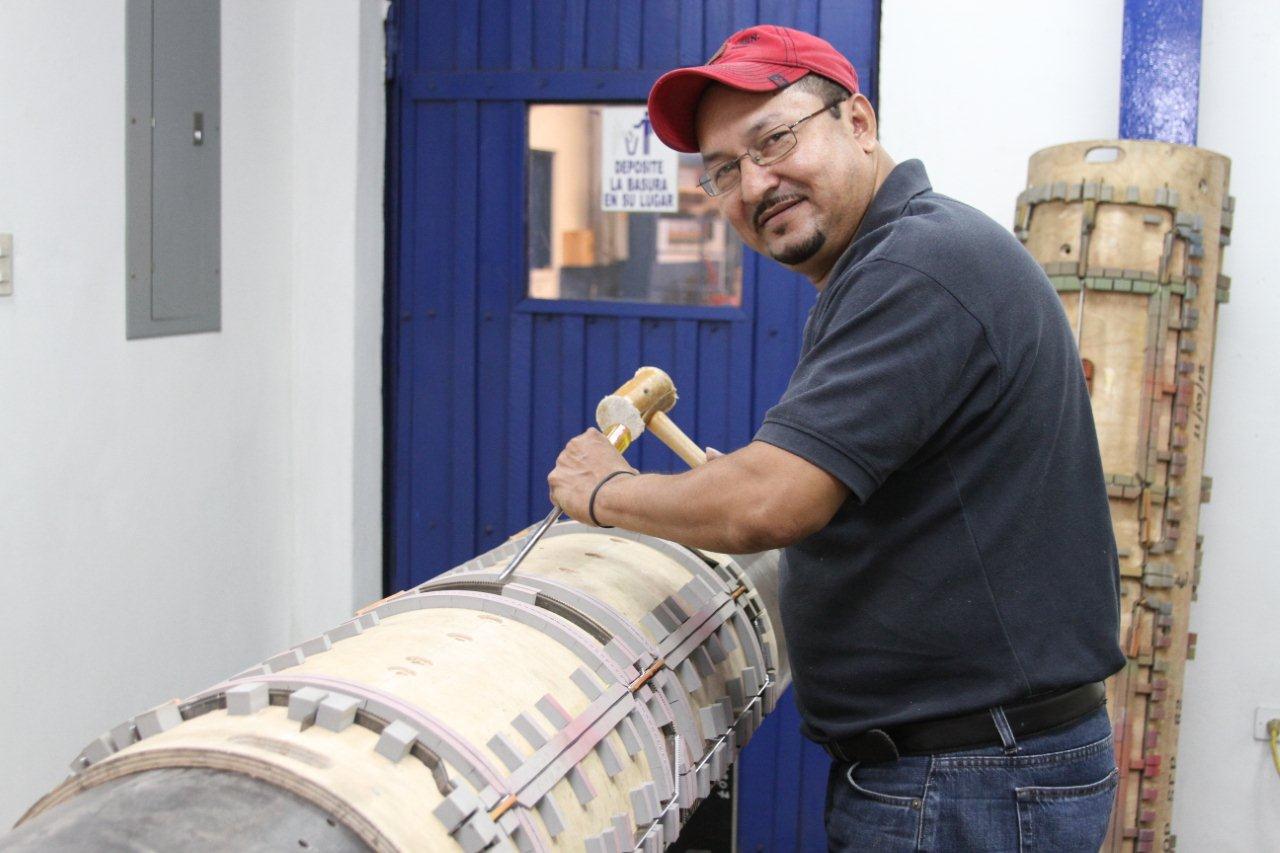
1131	234
587	703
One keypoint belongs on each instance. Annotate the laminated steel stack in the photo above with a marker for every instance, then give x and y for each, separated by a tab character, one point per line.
1131	234
588	703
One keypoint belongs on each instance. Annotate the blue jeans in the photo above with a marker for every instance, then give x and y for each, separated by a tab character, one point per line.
1048	791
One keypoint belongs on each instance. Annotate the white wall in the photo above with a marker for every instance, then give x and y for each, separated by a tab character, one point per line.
174	509
1228	790
339	132
974	97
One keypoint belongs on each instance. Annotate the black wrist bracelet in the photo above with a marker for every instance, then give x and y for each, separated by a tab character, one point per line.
591	504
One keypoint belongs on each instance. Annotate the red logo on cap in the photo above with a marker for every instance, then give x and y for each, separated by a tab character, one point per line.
749	38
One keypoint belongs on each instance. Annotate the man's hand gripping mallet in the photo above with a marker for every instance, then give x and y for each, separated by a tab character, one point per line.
643	402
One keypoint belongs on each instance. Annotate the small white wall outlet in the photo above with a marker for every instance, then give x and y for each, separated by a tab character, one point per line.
1260	722
6	264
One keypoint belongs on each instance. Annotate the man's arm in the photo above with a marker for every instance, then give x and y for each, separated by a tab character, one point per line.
756	498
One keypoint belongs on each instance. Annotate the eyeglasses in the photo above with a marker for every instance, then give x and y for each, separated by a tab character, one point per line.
771	147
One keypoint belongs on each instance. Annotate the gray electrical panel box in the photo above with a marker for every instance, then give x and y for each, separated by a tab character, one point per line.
173	169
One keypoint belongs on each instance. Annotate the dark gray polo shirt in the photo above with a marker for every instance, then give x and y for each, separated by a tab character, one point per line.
974	563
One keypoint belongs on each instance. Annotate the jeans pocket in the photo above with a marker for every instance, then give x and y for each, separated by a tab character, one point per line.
887	815
907	802
1065	818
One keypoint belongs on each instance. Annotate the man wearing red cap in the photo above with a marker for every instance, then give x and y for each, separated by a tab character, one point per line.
949	584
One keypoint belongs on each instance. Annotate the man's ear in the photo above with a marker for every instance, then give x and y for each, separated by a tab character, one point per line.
862	116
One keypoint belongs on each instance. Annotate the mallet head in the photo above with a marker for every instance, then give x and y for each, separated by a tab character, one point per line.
650	390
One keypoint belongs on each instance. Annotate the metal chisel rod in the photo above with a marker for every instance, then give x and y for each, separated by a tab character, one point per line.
619	437
532	540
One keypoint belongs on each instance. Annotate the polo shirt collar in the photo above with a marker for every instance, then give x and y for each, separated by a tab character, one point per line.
907	180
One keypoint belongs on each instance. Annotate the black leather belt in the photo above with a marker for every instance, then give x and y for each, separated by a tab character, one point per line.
969	730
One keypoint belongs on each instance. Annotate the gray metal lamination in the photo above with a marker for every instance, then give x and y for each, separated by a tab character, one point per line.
763	571
184	809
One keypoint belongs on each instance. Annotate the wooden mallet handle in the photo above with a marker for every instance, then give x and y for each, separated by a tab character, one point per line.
672	436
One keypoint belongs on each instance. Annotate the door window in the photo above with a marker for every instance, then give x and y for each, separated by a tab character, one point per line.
613	214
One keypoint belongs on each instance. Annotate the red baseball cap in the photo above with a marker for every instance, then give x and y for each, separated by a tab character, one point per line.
757	59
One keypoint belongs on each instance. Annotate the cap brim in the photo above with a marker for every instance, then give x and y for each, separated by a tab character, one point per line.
673	100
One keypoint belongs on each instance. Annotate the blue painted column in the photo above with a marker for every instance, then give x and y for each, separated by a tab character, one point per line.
1160	70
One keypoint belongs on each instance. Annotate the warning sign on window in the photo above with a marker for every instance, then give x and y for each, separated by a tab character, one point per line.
640	173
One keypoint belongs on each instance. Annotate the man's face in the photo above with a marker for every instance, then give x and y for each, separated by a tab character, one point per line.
804	209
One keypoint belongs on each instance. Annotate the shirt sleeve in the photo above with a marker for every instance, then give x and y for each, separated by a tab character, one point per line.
895	357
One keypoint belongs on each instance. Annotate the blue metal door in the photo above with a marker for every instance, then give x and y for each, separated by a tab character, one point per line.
484	385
